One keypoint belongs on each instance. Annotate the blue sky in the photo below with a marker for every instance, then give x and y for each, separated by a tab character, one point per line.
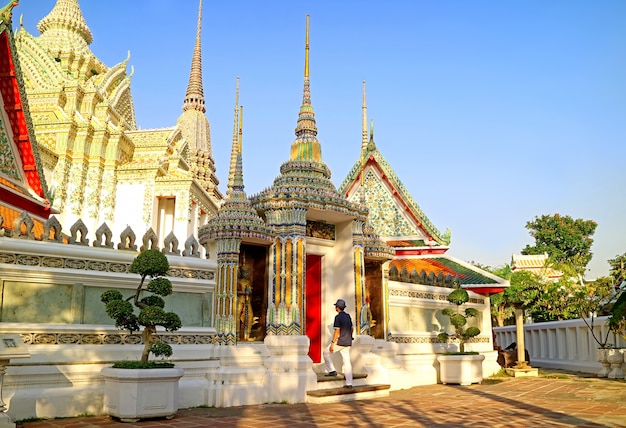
490	112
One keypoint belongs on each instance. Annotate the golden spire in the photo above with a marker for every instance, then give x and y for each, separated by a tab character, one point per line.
371	145
238	174
194	98
235	143
66	16
306	146
306	50
240	129
364	139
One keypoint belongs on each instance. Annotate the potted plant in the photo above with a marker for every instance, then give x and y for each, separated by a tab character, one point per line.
144	388
460	367
617	324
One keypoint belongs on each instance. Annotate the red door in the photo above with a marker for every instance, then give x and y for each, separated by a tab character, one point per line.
314	306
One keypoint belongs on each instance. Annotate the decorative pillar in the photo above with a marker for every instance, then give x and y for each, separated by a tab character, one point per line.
362	310
226	294
287	279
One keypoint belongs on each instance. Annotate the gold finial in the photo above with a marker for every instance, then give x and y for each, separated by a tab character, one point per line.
235	144
199	27
306	49
236	109
240	127
194	97
364	139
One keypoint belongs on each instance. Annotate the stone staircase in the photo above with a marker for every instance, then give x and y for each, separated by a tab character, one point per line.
331	389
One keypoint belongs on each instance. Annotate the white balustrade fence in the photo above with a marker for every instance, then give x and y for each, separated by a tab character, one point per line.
565	345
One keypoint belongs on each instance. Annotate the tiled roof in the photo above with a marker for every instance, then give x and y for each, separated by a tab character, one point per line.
447	266
537	263
526	261
406	243
9	215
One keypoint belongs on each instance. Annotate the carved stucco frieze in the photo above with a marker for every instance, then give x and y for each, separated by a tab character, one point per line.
122	338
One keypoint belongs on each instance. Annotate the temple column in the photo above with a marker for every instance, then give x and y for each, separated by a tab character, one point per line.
226	294
362	310
287	279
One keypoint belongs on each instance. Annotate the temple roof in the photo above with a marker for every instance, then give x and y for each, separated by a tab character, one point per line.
392	210
304	180
195	126
22	183
443	270
60	58
537	263
64	31
194	97
236	217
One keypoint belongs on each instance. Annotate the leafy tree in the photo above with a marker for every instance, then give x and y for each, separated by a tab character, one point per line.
564	239
152	264
501	310
618	269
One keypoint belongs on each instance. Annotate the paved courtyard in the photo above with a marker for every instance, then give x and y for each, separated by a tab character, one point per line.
555	399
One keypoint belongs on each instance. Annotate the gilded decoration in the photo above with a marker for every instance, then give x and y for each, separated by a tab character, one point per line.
174	338
427	295
410	339
373	157
384	214
8	163
319	229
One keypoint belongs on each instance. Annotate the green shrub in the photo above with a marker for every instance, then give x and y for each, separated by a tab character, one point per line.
154	265
458	319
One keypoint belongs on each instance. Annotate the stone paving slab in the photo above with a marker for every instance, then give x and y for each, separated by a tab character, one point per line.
554	399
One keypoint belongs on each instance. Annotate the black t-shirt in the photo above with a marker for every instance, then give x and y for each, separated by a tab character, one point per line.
344	323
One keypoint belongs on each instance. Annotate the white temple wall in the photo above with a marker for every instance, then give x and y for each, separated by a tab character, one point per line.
337	275
50	296
129	200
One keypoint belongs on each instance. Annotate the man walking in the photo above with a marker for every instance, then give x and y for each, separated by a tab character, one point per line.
342	341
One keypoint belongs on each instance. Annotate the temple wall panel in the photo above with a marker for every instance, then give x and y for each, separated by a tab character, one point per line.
51	283
415	316
129	201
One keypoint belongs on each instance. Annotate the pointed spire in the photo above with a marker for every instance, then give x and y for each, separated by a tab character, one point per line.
364	139
306	146
238	175
66	16
194	98
240	129
235	144
371	145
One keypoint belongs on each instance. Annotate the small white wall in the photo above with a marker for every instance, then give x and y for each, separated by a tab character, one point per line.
565	345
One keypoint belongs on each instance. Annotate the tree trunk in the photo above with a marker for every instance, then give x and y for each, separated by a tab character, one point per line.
148	340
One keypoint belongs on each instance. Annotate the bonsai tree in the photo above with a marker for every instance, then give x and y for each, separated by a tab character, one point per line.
458	319
150	264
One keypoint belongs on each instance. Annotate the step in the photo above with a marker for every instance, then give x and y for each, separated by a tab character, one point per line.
357	392
358	378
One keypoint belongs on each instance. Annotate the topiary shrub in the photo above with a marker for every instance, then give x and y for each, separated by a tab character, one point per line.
458	319
152	265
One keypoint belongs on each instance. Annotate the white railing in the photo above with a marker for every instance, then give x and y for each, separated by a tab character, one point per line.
565	345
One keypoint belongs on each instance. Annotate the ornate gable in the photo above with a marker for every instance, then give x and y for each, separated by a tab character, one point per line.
392	210
22	185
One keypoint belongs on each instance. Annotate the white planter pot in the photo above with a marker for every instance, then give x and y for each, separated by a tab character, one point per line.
133	394
461	369
602	356
616	358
